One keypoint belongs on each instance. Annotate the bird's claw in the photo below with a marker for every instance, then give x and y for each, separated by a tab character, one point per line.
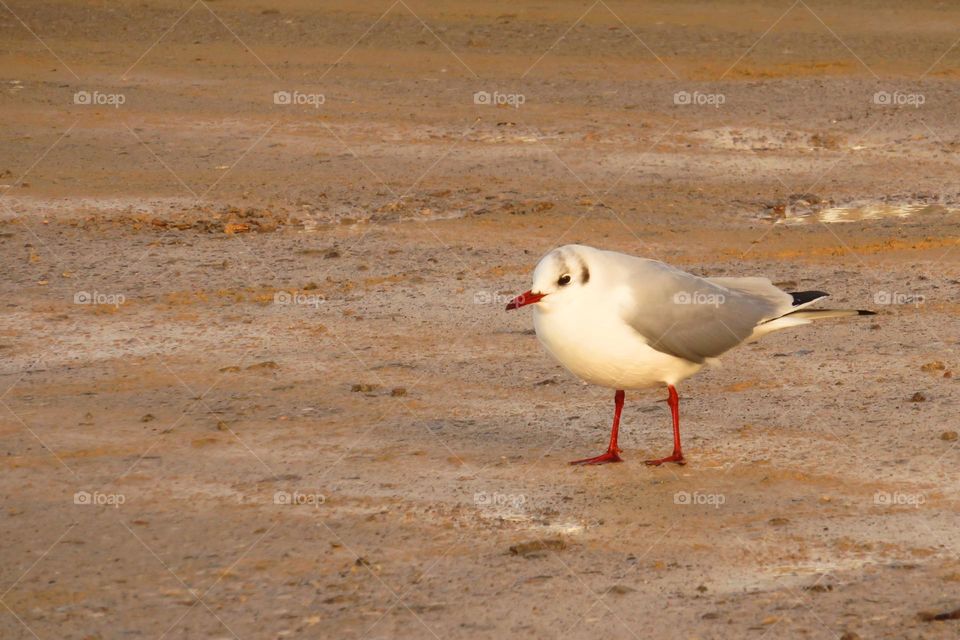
674	457
604	458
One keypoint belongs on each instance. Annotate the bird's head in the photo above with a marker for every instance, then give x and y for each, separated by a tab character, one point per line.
558	274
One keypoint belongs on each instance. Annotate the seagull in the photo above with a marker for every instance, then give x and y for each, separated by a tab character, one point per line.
624	322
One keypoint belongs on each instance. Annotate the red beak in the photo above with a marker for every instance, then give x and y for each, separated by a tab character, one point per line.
522	300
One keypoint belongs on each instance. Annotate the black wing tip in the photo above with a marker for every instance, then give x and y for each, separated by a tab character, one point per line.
865	312
805	297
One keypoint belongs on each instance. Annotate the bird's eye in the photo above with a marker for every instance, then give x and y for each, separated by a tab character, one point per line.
564	280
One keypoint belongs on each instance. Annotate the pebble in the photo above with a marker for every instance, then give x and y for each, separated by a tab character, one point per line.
819	588
269	364
928	616
537	548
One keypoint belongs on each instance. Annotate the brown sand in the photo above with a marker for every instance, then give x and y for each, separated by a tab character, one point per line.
421	429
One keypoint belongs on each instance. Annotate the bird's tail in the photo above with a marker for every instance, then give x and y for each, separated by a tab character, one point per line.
804	315
803	299
820	314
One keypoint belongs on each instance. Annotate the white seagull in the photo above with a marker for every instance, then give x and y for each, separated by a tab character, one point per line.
624	322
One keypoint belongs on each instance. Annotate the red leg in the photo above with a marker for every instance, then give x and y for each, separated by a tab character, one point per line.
677	456
612	449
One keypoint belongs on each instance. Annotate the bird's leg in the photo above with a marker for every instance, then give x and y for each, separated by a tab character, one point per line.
677	456
612	449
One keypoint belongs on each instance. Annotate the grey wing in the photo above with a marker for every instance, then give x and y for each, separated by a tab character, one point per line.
697	318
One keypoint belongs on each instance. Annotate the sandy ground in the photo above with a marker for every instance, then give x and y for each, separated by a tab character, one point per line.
256	376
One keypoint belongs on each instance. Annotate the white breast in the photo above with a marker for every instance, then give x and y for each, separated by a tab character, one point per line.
588	337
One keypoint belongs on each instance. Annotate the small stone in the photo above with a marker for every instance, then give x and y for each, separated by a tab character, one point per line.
778	522
819	588
331	253
149	417
918	397
363	388
929	616
267	364
620	590
398	392
221	425
948	436
537	548
936	365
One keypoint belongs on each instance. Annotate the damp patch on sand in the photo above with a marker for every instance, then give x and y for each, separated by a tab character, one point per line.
798	211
